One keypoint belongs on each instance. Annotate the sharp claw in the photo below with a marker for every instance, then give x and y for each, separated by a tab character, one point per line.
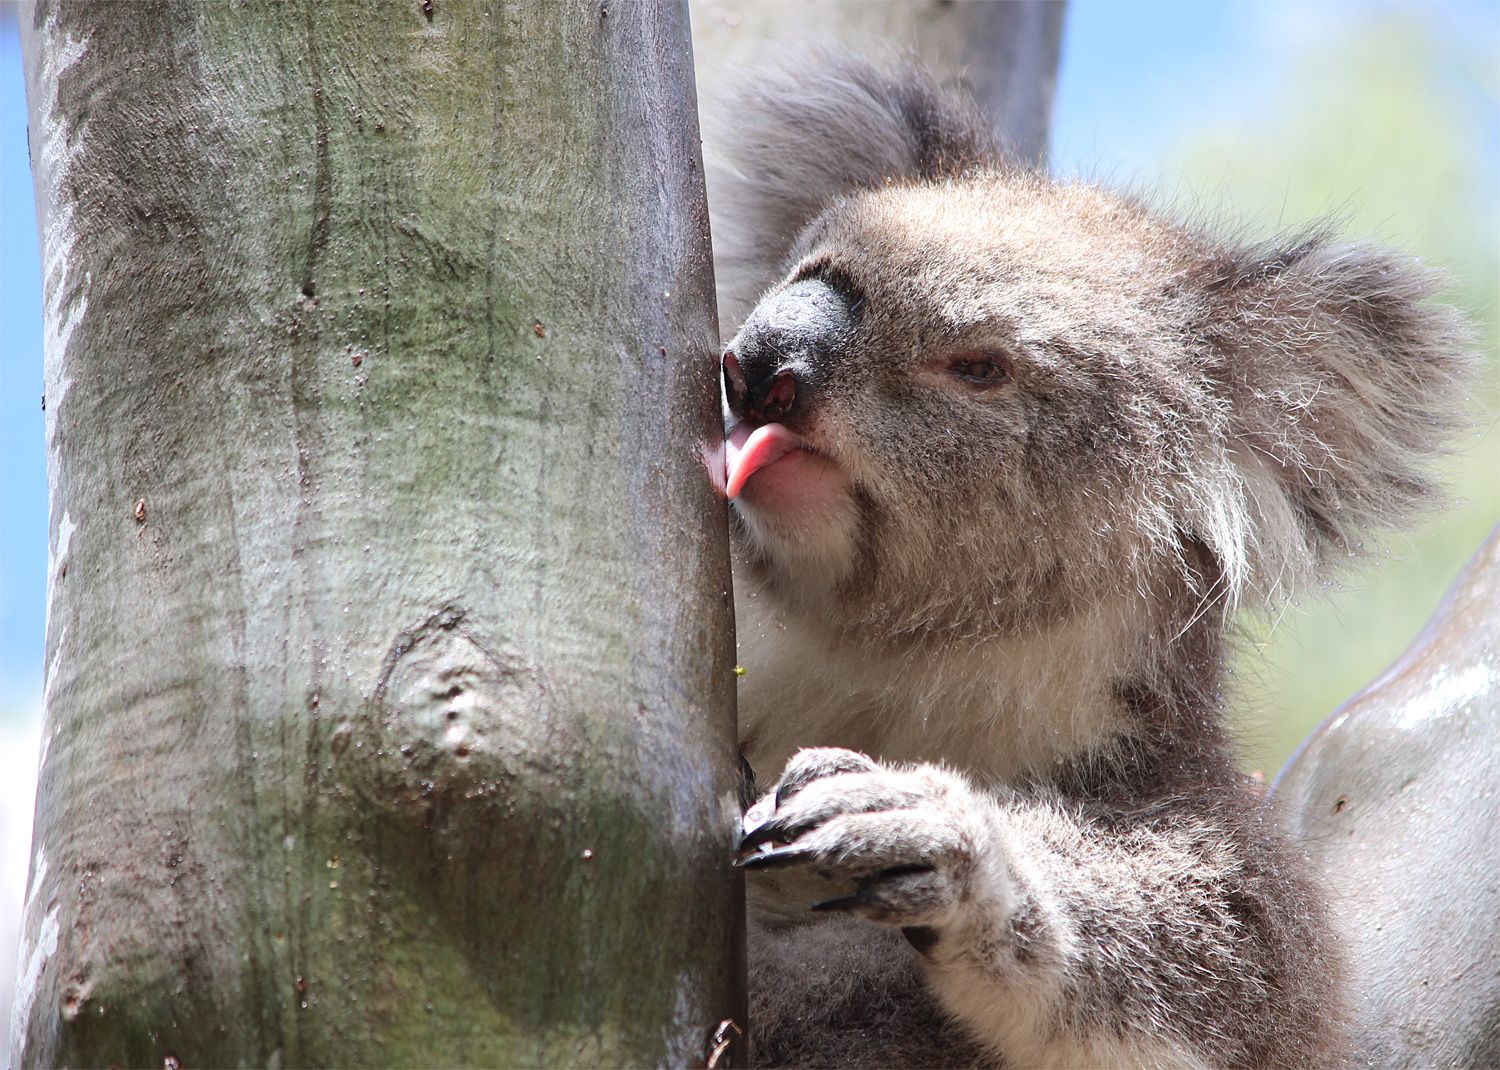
922	937
847	902
747	784
901	871
779	858
771	830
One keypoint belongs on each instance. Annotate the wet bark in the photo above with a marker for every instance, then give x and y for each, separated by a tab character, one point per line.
389	713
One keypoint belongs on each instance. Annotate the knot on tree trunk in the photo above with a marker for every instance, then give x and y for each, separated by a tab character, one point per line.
453	714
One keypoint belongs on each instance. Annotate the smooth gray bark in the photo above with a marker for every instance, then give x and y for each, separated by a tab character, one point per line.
389	696
1395	796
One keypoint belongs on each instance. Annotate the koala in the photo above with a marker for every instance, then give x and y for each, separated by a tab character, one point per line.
1005	453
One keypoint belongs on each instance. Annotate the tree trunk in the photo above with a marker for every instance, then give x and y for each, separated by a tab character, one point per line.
1395	797
389	704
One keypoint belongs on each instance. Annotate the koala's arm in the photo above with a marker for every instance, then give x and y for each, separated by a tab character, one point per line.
1058	937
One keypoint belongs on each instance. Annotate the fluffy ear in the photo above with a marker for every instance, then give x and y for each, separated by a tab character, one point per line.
796	137
1343	384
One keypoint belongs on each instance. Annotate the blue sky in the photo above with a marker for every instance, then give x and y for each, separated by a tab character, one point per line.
23	481
1136	80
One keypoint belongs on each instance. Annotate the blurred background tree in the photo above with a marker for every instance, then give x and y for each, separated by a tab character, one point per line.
1393	130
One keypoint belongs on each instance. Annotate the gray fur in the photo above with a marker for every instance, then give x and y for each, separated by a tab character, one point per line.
1014	600
847	125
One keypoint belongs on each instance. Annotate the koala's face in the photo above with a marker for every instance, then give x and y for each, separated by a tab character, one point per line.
964	407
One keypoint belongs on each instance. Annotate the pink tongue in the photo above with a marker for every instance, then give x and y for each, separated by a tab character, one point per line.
749	449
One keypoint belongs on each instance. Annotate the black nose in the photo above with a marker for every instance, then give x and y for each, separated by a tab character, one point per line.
768	401
781	356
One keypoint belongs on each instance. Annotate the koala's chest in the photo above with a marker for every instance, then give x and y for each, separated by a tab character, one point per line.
997	712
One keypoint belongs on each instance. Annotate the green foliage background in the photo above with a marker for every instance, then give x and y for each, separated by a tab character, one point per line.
1391	126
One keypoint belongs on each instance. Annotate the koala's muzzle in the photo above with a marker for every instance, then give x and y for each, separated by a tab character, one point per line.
774	365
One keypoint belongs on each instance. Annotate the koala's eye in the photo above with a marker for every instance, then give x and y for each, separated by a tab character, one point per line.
981	369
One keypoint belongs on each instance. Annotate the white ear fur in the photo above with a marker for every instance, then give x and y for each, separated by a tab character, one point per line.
1343	383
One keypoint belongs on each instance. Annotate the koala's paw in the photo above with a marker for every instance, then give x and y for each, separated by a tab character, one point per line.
913	843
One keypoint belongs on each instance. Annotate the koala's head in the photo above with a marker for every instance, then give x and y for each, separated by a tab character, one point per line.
977	400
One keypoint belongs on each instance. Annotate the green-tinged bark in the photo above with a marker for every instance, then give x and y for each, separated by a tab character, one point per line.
389	704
